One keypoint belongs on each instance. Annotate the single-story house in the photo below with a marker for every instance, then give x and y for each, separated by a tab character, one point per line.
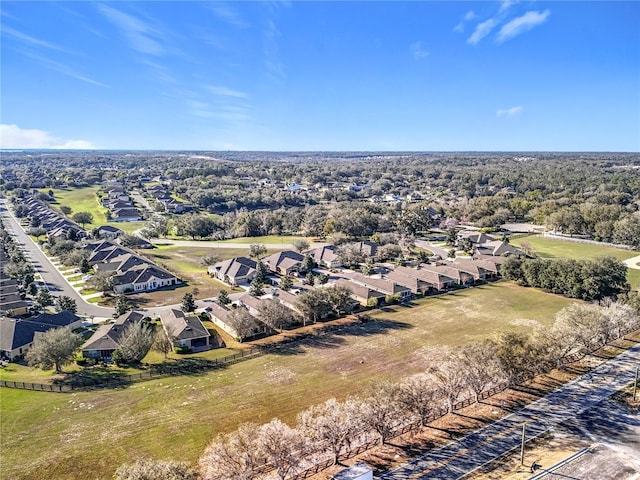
143	278
234	271
106	339
361	293
107	231
326	256
383	285
186	330
18	334
286	262
11	303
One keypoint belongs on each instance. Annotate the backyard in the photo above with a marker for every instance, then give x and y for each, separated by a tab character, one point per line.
48	435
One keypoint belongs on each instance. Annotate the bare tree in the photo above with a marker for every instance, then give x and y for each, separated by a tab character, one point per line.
418	395
257	251
275	315
137	339
235	456
620	318
282	446
146	469
380	409
332	423
243	323
480	366
162	343
449	376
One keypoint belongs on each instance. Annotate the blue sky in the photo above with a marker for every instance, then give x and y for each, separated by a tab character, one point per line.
321	75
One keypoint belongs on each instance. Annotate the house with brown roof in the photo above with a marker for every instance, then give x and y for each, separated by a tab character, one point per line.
362	294
383	285
186	330
234	271
13	304
107	338
286	262
326	256
437	280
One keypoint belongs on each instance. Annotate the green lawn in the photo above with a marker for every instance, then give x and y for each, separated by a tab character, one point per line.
85	200
552	248
64	436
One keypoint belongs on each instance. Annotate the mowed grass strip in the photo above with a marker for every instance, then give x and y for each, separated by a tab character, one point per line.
552	248
65	436
85	200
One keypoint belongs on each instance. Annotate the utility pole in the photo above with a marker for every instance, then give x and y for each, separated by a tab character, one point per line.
635	385
524	435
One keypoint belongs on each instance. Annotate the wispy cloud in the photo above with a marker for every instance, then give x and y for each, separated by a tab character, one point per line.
482	30
143	37
62	68
228	14
418	51
271	57
14	137
226	92
522	24
31	41
506	5
470	15
510	112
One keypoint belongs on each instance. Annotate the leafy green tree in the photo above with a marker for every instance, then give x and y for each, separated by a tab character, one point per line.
223	297
261	272
44	298
84	265
301	245
64	303
308	264
54	348
257	251
188	303
82	218
256	289
122	306
286	283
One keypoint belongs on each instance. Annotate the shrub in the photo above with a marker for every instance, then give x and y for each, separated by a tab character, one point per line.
181	350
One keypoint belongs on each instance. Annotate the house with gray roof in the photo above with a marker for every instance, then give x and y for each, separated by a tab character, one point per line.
234	271
286	262
107	338
18	334
186	330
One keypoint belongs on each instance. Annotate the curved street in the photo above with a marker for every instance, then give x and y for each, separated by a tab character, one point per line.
54	280
456	459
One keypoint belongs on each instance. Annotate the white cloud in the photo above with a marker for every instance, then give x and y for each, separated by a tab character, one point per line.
226	92
459	28
510	112
14	137
226	13
482	30
522	24
140	34
418	51
506	4
31	41
469	16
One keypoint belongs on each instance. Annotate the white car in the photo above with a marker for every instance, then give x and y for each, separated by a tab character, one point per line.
87	277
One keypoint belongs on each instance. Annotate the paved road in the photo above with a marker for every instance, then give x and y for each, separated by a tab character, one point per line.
217	244
456	459
55	281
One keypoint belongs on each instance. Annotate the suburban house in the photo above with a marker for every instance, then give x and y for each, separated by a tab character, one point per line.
497	248
234	271
364	295
126	214
477	269
287	299
326	256
412	282
438	280
367	248
12	304
108	232
251	303
106	339
286	263
186	330
383	285
129	272
18	334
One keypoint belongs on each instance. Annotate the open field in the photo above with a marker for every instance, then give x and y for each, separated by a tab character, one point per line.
64	436
85	200
552	248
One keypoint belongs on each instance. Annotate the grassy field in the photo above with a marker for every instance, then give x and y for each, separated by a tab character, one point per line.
85	200
552	248
64	436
